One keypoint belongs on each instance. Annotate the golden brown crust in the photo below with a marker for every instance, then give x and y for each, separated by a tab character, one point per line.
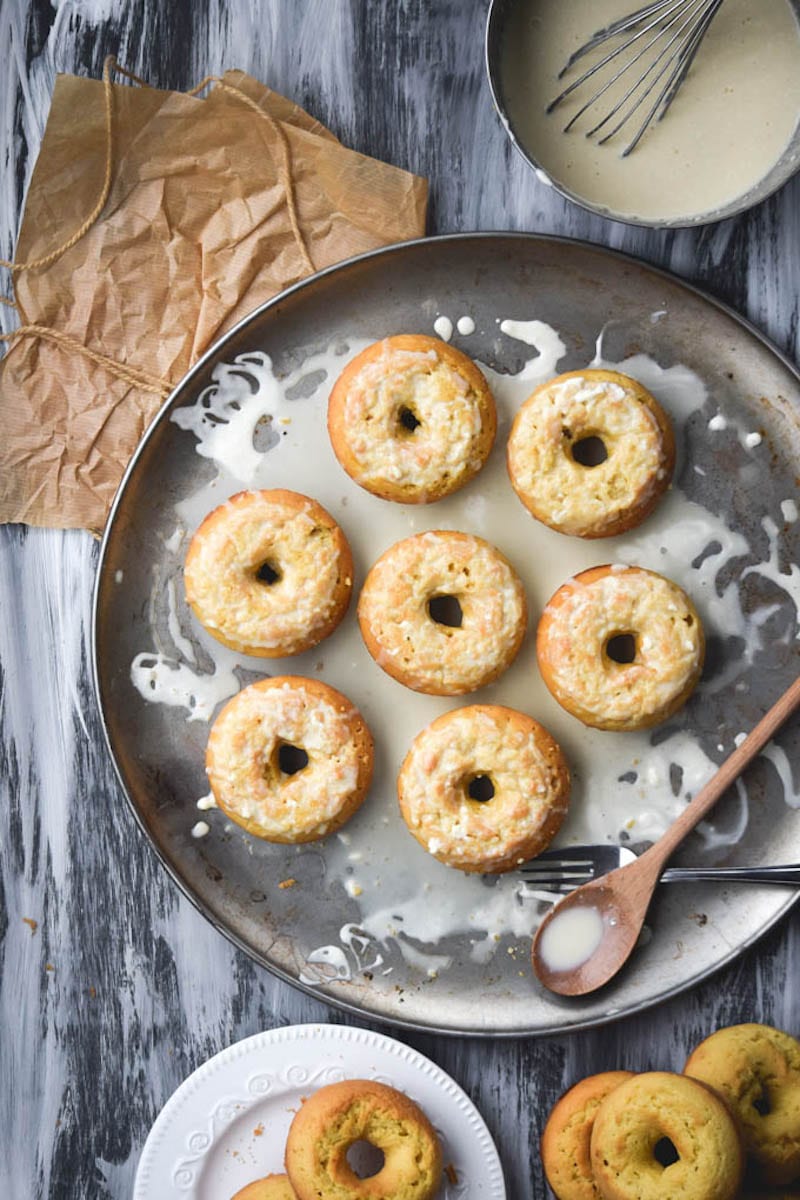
567	1134
271	1187
757	1070
419	652
245	772
335	1117
300	542
575	631
639	1114
591	501
528	774
411	377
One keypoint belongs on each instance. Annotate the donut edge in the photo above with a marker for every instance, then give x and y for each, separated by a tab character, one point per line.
453	358
362	736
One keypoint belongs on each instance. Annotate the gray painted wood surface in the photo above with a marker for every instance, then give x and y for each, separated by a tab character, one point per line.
123	988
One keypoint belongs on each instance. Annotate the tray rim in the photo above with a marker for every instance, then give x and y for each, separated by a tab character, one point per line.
196	369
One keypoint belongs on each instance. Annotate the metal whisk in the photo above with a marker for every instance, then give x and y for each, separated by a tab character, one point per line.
665	37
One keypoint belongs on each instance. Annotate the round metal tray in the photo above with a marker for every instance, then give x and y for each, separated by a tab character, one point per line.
578	289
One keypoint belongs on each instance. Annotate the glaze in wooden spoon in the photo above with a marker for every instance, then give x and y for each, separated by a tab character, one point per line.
605	917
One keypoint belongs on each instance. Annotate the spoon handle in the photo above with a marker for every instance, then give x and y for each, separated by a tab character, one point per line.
727	774
785	875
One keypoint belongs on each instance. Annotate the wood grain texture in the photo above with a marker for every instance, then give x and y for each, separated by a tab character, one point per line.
122	988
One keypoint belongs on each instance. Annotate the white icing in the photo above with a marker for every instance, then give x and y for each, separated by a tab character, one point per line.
465	326
417	897
200	830
752	439
157	678
172	543
443	328
206	802
544	339
789	510
717	423
571	938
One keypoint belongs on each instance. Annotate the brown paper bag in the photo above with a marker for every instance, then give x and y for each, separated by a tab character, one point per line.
212	208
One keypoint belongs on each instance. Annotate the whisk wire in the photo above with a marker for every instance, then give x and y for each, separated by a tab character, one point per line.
677	27
685	54
626	67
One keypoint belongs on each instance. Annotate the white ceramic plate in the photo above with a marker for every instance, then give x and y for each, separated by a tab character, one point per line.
226	1125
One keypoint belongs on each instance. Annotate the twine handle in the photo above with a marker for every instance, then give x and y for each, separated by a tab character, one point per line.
142	380
46	259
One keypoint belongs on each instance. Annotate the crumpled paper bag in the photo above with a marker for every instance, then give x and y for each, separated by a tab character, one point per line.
196	232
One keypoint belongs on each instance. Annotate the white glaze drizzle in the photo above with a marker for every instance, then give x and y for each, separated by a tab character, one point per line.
410	895
443	328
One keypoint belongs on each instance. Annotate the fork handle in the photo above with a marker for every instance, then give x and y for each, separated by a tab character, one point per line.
790	875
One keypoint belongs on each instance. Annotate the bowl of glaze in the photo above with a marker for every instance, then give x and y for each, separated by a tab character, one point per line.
730	139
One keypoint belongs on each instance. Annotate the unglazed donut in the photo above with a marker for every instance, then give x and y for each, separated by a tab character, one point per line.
620	647
484	788
271	1187
558	484
411	419
334	1118
402	632
567	1134
757	1069
648	1112
288	718
269	573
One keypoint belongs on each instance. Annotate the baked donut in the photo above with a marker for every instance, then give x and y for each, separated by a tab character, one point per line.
411	419
272	1187
620	647
655	1138
269	573
757	1070
443	612
289	759
567	1134
334	1118
590	453
484	788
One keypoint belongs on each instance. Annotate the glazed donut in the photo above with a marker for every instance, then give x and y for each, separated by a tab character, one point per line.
411	419
620	647
757	1070
405	632
655	1138
484	788
269	573
567	1134
552	465
255	753
334	1118
272	1187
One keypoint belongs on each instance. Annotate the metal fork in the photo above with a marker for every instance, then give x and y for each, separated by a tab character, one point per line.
665	36
564	870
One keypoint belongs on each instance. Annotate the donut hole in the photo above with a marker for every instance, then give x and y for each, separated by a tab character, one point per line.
268	573
761	1103
589	451
665	1153
480	788
291	759
621	648
445	610
407	419
364	1159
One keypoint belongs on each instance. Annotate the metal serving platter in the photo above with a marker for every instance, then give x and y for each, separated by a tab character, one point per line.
579	289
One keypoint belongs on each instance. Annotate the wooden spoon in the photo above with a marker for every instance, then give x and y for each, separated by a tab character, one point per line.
605	916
